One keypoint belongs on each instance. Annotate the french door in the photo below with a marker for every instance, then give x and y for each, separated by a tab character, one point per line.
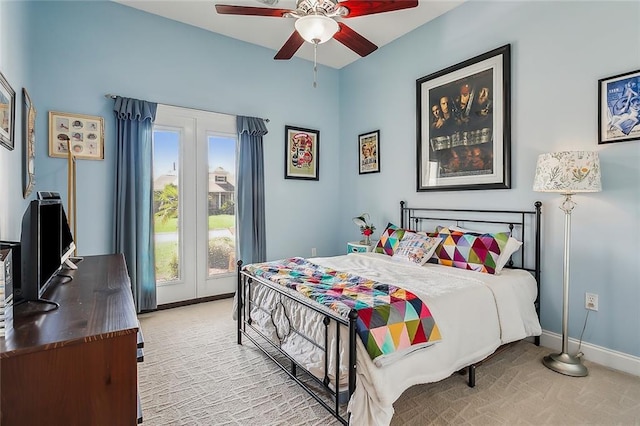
194	184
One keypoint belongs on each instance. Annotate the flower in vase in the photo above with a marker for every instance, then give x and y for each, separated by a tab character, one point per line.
366	228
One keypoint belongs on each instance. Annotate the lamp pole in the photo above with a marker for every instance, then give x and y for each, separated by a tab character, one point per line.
570	365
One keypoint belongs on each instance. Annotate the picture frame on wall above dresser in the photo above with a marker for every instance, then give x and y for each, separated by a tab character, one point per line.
464	125
619	108
84	133
29	144
7	113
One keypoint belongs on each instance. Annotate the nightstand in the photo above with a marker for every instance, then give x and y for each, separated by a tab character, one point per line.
357	247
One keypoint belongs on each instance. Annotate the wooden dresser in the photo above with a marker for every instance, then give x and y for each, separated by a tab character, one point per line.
75	365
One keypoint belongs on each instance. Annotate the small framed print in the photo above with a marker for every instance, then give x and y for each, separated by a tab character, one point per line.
301	153
83	133
619	108
7	114
369	152
29	144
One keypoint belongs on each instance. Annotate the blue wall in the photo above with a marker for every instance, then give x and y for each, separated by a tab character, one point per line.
83	50
75	52
559	51
14	56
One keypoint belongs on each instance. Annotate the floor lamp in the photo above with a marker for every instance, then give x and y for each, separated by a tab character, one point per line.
567	172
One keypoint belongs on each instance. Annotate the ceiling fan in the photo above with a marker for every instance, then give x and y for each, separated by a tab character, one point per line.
316	21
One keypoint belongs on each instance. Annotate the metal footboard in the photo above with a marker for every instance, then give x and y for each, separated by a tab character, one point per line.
330	398
525	222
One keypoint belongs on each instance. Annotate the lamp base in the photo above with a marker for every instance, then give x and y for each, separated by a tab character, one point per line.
566	364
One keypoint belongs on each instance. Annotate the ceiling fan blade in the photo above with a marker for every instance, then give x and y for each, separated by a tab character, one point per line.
290	47
360	8
354	41
226	9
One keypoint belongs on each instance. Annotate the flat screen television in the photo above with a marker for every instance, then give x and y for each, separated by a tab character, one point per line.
46	244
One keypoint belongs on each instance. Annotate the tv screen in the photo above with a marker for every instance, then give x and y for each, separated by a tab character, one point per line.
46	242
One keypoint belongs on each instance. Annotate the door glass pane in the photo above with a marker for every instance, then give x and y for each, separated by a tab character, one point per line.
222	197
166	204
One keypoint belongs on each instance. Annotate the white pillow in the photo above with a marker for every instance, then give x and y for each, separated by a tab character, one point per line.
465	230
468	231
415	248
511	247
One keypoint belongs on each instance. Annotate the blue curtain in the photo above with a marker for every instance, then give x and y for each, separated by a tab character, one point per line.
251	223
134	196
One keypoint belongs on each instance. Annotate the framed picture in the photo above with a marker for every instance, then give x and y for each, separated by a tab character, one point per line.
84	133
29	144
301	153
619	108
464	125
369	152
7	113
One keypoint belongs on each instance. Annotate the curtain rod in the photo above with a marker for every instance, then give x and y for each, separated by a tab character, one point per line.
110	96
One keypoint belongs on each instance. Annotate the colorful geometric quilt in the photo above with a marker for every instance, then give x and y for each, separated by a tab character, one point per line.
390	319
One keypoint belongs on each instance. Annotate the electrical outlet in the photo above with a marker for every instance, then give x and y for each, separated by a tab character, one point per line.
313	252
591	301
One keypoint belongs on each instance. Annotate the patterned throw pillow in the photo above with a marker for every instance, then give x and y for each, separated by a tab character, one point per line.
476	252
512	246
389	239
416	248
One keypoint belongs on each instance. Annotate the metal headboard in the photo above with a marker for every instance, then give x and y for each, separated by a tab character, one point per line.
525	222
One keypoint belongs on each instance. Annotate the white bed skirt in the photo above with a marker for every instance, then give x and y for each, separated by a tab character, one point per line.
476	313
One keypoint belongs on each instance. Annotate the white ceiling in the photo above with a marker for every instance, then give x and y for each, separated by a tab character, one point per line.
272	32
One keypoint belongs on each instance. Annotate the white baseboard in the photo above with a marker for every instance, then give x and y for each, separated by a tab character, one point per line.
598	354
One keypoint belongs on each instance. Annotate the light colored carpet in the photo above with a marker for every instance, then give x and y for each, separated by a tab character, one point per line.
194	373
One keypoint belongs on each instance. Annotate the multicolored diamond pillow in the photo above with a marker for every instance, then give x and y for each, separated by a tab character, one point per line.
475	252
512	245
389	239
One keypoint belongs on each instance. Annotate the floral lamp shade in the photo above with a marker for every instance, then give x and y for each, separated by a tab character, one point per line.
568	172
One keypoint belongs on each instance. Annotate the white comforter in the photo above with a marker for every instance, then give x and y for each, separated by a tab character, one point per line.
476	313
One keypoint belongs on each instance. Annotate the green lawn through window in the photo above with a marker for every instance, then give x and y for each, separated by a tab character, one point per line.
167	252
220	221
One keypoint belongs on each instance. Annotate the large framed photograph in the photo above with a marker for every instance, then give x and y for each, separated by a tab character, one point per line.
369	152
84	133
464	125
619	108
301	153
7	113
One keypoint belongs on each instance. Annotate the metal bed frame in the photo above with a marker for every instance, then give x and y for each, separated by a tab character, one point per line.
410	217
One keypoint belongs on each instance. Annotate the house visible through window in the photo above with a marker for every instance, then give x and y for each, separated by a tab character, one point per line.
194	218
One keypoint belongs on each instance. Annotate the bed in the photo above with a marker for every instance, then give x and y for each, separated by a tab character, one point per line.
473	313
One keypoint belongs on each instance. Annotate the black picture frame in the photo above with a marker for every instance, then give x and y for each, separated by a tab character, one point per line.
369	152
619	108
464	125
301	153
7	114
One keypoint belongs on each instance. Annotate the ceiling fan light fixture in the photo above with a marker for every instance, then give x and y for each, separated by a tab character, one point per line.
316	29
